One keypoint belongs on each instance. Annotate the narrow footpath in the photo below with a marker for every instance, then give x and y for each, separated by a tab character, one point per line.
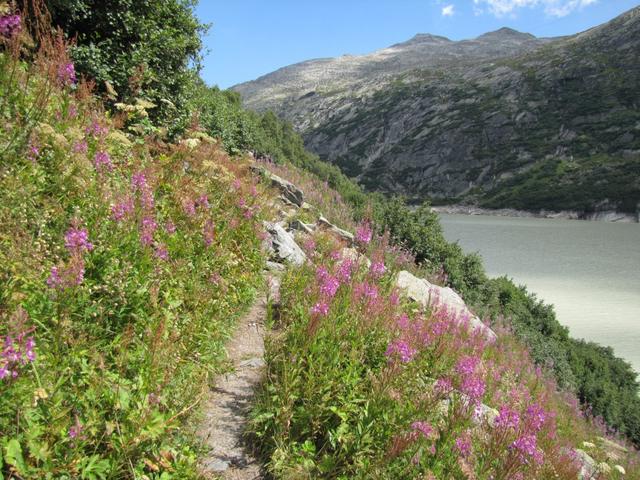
229	404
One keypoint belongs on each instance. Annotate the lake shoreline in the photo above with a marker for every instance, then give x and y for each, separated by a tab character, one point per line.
611	216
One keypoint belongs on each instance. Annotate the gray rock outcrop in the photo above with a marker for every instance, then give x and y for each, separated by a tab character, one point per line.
288	190
429	295
284	246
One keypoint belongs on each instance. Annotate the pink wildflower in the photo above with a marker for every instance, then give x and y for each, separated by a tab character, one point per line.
77	240
67	74
138	181
364	233
54	280
526	446
377	269
170	227
10	25
208	232
473	387
102	160
80	147
203	201
401	349
463	445
149	227
345	270
507	418
321	309
189	207
536	416
161	252
329	286
122	209
467	365
423	428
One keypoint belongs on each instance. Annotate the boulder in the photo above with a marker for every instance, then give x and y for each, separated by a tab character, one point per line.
285	248
339	232
428	295
287	189
588	466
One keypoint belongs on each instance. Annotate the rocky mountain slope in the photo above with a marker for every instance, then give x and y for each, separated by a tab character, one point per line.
503	120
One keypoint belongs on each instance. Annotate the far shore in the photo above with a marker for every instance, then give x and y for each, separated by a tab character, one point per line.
602	216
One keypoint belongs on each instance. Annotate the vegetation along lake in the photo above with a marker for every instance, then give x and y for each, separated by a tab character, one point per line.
590	271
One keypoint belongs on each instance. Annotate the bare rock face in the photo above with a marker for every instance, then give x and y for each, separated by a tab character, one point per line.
434	296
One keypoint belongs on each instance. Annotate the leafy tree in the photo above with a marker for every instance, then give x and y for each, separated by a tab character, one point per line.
144	49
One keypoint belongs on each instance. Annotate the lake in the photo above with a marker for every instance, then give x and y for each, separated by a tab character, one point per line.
590	271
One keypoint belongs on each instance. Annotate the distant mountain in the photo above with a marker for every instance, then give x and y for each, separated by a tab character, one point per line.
503	120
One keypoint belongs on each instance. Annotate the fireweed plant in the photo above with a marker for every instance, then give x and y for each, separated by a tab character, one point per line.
115	299
363	384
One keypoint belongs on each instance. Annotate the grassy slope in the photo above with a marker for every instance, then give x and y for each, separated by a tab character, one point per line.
122	354
347	387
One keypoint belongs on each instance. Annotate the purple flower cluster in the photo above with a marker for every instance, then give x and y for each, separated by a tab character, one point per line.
345	270
463	445
138	182
536	416
473	387
161	252
508	418
209	232
328	283
467	365
102	161
364	233
77	240
10	25
96	130
424	428
527	449
81	147
400	349
16	352
67	74
147	230
377	269
320	309
122	209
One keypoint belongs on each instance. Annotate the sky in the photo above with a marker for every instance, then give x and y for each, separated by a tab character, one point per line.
250	38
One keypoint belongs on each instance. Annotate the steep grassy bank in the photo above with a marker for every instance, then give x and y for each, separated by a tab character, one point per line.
123	264
362	383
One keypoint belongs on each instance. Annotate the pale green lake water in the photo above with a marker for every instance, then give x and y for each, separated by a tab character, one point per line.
590	271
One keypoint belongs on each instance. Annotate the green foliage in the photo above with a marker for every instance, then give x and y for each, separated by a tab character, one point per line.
144	49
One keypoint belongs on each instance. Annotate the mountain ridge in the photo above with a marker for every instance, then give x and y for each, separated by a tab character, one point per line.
500	120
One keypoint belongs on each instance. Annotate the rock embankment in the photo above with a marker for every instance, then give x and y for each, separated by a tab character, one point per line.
601	216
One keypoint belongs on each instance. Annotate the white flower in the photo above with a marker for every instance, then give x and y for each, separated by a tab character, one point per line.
620	469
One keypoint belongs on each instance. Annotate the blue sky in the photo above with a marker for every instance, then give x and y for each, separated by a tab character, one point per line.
249	38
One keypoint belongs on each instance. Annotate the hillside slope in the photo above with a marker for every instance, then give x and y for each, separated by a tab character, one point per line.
505	120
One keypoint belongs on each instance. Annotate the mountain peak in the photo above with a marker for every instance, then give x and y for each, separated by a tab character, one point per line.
506	33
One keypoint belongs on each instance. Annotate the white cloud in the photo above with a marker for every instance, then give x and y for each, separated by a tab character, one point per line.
447	11
554	8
